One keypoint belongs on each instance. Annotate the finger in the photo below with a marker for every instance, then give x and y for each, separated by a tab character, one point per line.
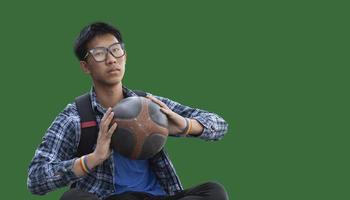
154	99
109	110
112	129
108	120
166	111
159	102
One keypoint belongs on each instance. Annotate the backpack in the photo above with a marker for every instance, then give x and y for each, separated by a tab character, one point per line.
88	124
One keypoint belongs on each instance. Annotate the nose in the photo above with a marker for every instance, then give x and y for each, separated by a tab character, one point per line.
110	59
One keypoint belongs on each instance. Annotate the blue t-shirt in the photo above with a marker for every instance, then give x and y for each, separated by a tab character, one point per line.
135	175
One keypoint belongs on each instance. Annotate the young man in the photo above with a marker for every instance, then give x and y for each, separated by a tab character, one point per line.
104	174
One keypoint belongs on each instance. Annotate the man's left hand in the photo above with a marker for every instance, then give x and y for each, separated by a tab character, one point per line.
176	123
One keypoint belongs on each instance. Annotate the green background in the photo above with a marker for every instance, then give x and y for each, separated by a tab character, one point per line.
277	71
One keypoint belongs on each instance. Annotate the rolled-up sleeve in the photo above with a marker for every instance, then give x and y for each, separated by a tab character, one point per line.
214	126
51	167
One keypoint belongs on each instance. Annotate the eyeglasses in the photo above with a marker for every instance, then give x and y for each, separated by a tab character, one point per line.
100	53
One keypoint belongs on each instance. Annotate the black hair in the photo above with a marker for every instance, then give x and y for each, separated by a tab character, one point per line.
89	32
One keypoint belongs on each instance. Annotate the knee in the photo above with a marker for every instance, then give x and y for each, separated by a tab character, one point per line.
217	190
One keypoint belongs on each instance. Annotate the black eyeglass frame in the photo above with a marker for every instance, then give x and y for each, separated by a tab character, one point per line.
106	49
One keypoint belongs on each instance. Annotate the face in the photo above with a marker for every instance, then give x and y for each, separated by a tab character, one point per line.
109	72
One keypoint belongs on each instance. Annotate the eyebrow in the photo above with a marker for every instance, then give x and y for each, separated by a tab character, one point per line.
107	46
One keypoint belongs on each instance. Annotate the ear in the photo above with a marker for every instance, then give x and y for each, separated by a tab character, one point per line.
84	67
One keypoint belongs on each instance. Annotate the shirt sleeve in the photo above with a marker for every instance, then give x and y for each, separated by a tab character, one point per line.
51	167
214	126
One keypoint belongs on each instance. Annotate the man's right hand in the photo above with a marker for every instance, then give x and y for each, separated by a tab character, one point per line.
103	150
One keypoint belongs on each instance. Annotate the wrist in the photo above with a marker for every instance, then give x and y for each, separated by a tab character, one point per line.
93	160
84	166
188	127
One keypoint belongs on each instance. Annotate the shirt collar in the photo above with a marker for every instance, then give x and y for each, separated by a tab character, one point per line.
98	108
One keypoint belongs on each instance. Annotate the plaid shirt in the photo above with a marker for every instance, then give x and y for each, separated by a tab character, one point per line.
51	167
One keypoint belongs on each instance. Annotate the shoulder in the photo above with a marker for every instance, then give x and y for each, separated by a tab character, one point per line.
70	112
68	118
66	126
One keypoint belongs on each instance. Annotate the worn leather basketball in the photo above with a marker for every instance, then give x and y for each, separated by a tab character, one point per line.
142	128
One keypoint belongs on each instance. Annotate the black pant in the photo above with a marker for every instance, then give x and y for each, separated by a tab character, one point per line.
206	191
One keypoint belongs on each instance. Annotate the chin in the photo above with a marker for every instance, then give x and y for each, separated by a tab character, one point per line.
109	81
114	82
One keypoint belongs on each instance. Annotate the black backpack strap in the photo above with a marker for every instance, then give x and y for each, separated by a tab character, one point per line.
140	93
88	125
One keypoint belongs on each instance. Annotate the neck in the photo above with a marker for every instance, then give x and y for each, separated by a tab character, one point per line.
109	96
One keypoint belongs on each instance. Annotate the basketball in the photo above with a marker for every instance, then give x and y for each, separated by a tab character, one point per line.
142	128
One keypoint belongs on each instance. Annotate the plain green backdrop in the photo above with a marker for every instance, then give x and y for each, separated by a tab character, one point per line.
277	71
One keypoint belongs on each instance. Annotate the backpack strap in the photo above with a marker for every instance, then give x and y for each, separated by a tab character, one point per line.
88	125
140	93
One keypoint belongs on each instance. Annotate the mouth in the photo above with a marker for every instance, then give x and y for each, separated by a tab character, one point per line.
114	70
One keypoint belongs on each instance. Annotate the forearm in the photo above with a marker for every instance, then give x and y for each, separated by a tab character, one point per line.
214	127
91	161
196	128
206	125
51	166
48	176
